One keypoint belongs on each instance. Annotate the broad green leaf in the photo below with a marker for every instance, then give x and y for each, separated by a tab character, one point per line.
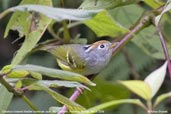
156	78
5	98
161	98
105	4
58	14
150	43
166	9
103	25
154	3
138	87
112	103
31	25
55	73
102	93
71	105
36	75
52	83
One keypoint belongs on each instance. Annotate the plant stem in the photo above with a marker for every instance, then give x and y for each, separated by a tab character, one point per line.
144	21
165	50
9	87
149	106
32	106
17	93
73	97
66	33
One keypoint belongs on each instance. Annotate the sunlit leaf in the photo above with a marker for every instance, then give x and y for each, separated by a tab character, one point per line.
36	75
18	84
105	4
31	25
153	3
138	87
112	103
156	78
161	98
103	25
5	98
55	73
14	74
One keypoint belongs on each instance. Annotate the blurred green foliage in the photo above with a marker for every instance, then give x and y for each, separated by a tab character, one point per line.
144	50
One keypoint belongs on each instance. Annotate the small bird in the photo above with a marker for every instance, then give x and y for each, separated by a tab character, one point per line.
83	59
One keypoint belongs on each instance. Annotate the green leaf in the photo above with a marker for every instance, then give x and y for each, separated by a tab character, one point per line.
166	9
18	74
138	87
58	14
161	98
105	4
18	84
112	103
150	43
14	74
32	26
103	25
55	73
154	3
102	93
71	105
156	78
5	98
36	75
51	83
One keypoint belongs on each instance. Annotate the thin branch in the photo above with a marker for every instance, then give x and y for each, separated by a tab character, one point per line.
32	106
144	21
9	87
18	93
73	97
166	53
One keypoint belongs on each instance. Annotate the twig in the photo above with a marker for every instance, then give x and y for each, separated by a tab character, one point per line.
18	93
165	49
32	106
144	21
74	96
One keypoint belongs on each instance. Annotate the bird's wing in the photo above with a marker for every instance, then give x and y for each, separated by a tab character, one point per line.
69	55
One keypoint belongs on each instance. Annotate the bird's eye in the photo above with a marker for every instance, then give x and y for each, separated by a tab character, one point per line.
102	46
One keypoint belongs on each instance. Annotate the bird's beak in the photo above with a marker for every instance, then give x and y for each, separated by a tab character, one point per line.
114	44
